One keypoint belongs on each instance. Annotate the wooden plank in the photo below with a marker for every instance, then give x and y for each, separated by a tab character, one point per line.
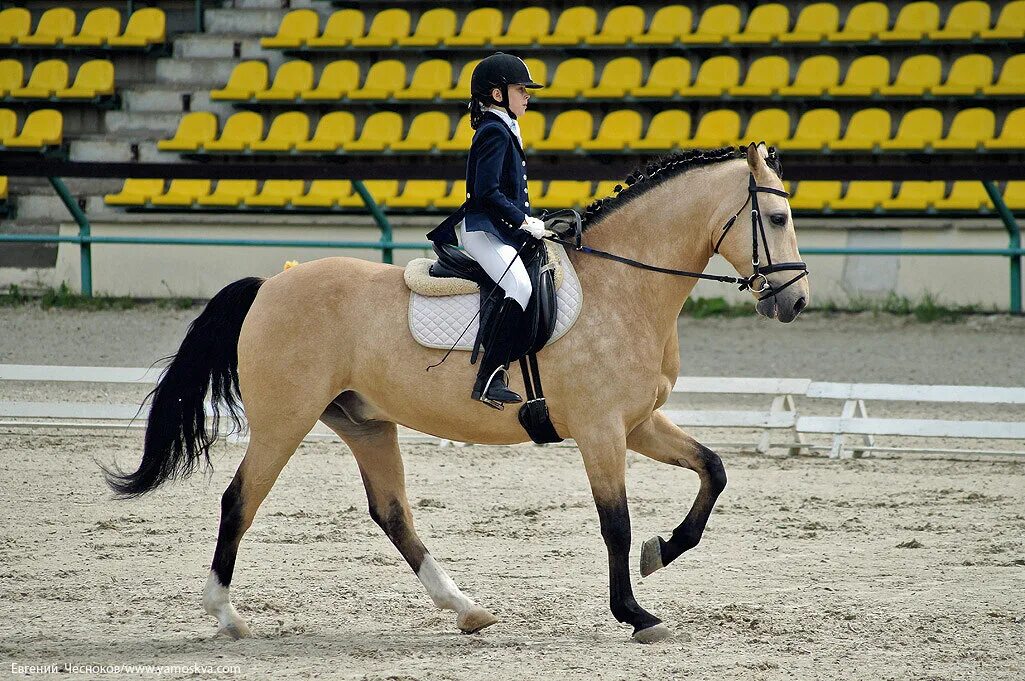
976	394
999	430
32	372
741	386
732	419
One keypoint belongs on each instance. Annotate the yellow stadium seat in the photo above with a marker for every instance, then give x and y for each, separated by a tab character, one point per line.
917	130
665	78
866	129
56	24
337	80
815	194
714	76
455	197
384	78
1011	80
426	131
241	130
620	76
42	128
815	76
386	29
1014	194
914	22
461	138
571	77
916	75
771	126
816	130
286	130
99	26
538	70
814	23
970	130
135	192
622	24
8	124
618	130
863	22
276	193
429	79
765	76
915	195
435	26
95	78
462	87
295	29
604	189
1010	24
15	23
380	131
334	130
716	128
323	193
47	77
967	76
12	76
865	76
968	195
194	130
342	27
1012	135
765	23
382	191
3	188
532	128
965	21
181	193
572	27
479	27
564	194
292	78
145	27
717	22
864	195
228	194
569	130
245	81
525	27
669	129
670	24
419	194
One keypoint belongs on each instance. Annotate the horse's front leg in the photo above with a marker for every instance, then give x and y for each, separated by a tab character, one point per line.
604	455
662	440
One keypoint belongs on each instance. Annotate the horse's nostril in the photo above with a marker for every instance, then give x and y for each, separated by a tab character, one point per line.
800	305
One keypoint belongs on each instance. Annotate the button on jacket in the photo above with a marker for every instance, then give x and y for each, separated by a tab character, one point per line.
496	187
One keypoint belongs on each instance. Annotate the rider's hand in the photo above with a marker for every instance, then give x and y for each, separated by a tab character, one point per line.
535	227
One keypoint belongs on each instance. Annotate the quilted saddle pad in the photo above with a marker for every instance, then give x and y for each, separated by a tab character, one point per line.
438	321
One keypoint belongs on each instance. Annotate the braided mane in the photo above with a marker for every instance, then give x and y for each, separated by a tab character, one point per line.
658	171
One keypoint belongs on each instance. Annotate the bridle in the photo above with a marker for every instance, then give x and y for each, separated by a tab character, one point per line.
758	276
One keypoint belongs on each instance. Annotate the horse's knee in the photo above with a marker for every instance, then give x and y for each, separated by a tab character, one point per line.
713	470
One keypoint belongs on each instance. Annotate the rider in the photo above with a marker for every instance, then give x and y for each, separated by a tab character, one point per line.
495	220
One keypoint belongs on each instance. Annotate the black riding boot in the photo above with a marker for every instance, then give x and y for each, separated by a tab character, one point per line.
491	387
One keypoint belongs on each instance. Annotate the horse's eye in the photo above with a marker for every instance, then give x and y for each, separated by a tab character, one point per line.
778	219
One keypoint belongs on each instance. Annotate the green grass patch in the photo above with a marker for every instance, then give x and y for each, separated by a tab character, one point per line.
64	298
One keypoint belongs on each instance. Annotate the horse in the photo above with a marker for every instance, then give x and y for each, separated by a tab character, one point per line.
328	340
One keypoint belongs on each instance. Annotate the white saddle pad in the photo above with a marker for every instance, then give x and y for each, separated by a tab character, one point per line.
437	321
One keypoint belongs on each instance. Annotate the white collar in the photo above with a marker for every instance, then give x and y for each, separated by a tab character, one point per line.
508	120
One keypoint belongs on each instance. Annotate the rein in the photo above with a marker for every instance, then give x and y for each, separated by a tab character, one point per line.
572	219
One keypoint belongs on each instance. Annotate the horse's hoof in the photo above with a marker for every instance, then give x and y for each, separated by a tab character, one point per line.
235	631
651	556
473	620
659	632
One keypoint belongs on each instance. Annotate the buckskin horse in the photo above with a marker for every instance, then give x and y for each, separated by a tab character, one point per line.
301	347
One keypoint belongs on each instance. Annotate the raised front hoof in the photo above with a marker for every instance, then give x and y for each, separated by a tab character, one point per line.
651	556
235	631
652	634
473	620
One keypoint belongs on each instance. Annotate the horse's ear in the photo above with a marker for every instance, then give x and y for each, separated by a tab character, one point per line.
763	150
755	157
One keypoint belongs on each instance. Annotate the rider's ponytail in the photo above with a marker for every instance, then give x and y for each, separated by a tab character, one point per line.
476	113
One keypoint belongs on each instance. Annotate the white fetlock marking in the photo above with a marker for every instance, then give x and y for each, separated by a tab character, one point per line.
440	587
217	603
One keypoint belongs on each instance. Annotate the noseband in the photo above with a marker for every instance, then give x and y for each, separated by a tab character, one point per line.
571	219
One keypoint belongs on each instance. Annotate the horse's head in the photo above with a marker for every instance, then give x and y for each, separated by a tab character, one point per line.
780	285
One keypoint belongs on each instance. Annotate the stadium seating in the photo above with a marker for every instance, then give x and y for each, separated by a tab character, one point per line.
42	128
621	25
240	130
49	80
337	80
1011	80
1012	135
1010	24
194	131
341	29
334	131
526	27
435	27
135	192
296	28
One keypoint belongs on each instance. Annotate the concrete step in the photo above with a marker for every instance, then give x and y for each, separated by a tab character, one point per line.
251	22
271	4
197	73
163	100
103	149
144	125
222	46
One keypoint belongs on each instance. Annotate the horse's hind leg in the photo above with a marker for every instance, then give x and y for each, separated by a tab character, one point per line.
375	445
660	439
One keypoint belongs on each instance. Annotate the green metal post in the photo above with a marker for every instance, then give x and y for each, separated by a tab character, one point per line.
84	230
199	16
379	218
1014	241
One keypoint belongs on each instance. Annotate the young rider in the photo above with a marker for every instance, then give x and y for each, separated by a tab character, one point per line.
495	220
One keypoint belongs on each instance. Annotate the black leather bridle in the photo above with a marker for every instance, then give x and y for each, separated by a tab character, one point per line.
571	219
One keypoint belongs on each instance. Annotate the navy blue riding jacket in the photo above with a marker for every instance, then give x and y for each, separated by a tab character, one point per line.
496	187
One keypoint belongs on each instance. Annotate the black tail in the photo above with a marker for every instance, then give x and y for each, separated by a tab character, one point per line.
176	432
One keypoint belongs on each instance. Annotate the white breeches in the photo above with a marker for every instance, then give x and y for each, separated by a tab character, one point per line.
495	256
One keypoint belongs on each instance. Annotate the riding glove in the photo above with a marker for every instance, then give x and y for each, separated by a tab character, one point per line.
535	227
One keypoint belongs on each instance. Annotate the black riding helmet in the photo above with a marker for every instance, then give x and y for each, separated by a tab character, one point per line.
500	70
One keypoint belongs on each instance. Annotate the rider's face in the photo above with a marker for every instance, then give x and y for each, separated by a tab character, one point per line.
518	98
